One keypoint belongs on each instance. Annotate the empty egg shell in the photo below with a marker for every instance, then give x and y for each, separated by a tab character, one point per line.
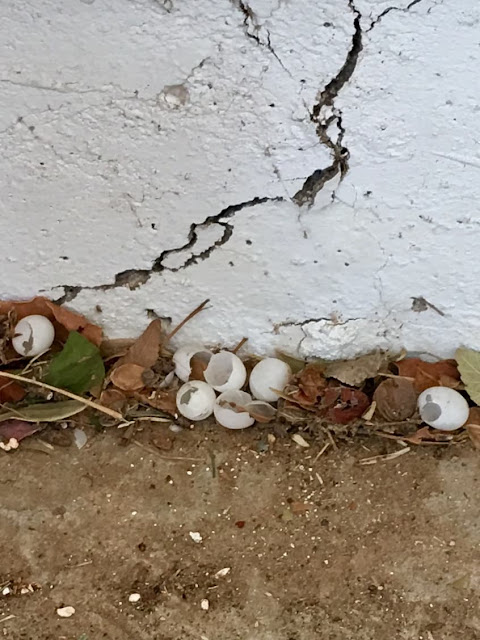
226	413
182	357
195	400
269	374
225	372
33	335
443	408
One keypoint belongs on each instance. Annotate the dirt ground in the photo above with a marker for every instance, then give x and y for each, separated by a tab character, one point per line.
315	547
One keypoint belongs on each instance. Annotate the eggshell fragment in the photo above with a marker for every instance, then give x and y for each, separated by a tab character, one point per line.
183	356
33	335
226	413
225	372
443	408
195	400
267	375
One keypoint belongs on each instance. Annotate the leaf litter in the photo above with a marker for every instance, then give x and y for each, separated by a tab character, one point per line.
122	382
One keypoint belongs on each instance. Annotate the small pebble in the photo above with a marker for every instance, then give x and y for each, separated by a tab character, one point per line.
65	612
205	604
134	597
195	536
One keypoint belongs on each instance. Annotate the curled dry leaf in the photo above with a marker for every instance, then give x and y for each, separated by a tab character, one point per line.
429	374
355	372
469	367
342	405
261	411
473	426
311	383
115	348
113	399
17	429
63	319
144	351
128	377
11	391
396	399
162	399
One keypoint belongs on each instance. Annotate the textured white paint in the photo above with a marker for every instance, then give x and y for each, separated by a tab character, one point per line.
128	126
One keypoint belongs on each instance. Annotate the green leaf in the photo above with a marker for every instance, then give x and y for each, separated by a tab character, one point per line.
468	362
45	411
78	367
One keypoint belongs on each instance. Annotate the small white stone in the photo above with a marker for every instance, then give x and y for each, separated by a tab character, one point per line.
65	612
223	572
205	604
195	536
134	597
6	592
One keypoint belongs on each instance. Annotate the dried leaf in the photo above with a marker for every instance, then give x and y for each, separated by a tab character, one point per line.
473	426
355	372
44	412
162	399
115	348
298	439
144	351
469	366
311	383
429	374
261	411
18	429
396	399
63	319
350	405
295	364
128	377
11	391
78	367
113	399
299	507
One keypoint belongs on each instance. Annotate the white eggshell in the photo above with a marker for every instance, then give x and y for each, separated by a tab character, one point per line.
227	416
195	400
182	357
225	372
269	374
33	335
443	408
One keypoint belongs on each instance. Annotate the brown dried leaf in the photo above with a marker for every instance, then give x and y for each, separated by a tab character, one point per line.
350	405
11	391
311	383
396	399
299	507
128	377
116	348
63	319
144	351
355	372
113	399
429	374
162	399
18	429
473	426
261	411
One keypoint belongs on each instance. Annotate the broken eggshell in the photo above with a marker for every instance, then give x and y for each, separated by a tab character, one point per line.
33	335
225	372
229	410
267	375
443	408
195	400
183	356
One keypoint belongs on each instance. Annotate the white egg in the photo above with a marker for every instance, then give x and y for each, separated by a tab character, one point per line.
183	356
195	400
443	408
225	372
33	335
269	374
227	416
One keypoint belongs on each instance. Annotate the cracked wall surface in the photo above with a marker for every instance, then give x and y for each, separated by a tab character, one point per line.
313	170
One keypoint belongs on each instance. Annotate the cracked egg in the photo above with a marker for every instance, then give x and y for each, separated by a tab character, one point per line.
267	375
33	335
182	359
195	400
443	408
225	372
230	411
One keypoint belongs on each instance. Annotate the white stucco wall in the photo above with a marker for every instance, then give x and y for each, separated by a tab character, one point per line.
168	143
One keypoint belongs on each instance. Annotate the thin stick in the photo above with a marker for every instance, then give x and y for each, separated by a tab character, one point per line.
387	456
239	345
322	451
89	403
170	335
392	375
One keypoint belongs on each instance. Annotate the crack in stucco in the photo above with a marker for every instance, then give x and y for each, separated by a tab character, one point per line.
302	324
389	9
324	114
134	278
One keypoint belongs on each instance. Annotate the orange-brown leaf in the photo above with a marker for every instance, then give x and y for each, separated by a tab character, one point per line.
396	399
11	391
311	383
430	374
162	400
144	351
473	426
113	399
63	319
128	377
350	405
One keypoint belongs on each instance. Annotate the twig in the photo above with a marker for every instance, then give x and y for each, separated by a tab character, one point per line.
239	345
170	335
392	375
76	566
89	403
387	456
322	451
319	478
10	617
173	458
332	440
